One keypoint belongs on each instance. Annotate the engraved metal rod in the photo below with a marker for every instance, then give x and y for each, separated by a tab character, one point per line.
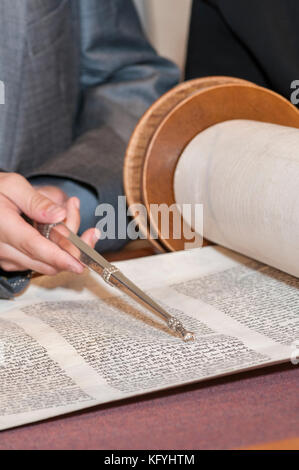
172	322
71	243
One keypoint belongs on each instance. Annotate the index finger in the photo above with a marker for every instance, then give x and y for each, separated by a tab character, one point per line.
25	238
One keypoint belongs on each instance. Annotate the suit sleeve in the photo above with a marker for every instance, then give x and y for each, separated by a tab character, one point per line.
121	75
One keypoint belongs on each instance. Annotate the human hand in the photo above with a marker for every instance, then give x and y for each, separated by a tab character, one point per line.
21	245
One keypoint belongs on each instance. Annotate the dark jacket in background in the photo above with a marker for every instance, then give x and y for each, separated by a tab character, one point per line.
257	40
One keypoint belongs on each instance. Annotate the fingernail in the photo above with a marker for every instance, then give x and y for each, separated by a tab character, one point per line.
56	210
77	203
76	268
95	238
97	234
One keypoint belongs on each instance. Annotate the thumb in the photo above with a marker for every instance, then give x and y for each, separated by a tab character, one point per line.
41	209
32	203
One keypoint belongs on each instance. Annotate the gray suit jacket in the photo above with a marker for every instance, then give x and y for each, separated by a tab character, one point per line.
78	74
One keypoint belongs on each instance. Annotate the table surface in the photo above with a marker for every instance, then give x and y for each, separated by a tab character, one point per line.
257	409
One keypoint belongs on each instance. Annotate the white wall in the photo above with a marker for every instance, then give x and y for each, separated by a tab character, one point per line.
166	23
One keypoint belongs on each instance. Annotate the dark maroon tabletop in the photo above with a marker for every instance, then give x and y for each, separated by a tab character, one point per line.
243	410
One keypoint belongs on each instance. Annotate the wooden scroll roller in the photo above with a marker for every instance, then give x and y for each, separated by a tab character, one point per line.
230	145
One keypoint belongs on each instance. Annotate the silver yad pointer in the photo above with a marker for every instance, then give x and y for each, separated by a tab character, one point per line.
72	244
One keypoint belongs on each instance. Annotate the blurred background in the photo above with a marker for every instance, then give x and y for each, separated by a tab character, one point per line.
166	24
